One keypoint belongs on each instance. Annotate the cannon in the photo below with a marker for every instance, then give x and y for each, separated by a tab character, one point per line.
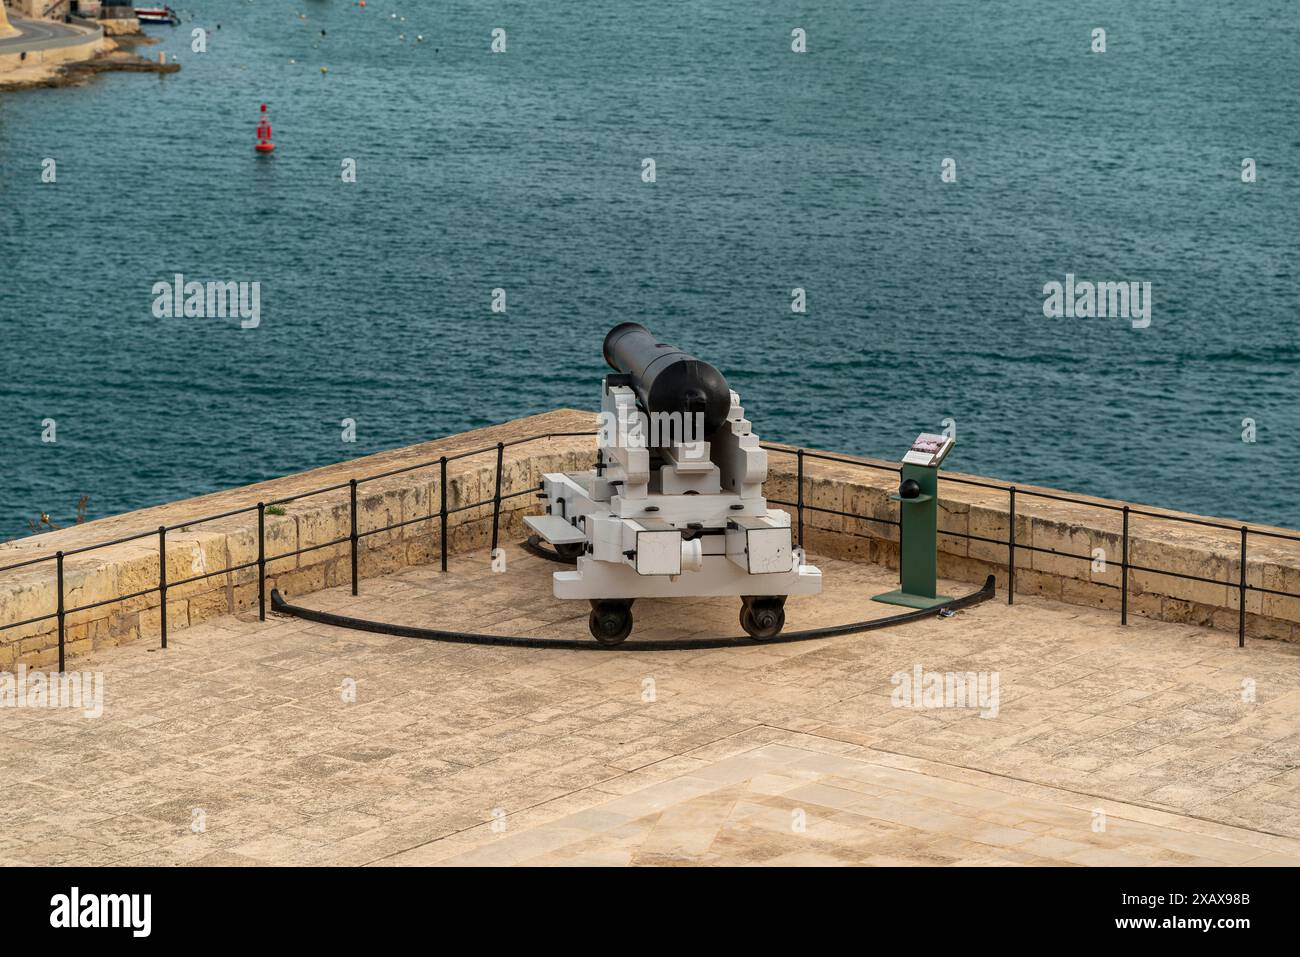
668	383
674	507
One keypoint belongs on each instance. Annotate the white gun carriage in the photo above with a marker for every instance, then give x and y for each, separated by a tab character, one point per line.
674	507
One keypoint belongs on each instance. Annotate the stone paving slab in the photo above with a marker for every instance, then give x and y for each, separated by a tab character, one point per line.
289	742
784	804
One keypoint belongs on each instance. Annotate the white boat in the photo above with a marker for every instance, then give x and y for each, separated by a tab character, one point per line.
157	15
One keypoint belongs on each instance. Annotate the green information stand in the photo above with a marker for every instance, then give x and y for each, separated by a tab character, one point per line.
918	510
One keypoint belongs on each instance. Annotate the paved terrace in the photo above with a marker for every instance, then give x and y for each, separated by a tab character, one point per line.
778	754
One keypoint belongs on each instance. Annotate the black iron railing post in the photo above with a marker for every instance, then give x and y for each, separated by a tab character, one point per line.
1123	598
799	498
352	538
1241	595
62	615
162	583
496	500
442	512
1011	552
261	561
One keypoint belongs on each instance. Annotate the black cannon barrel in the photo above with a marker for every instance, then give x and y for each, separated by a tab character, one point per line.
666	379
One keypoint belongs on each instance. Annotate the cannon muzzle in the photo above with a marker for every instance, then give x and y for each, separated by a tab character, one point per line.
667	380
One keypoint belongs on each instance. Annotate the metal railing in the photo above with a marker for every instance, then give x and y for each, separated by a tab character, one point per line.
1241	586
356	534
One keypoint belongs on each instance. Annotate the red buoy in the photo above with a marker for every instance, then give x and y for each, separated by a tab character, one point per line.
264	144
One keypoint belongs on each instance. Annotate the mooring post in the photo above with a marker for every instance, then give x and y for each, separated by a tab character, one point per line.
442	513
62	615
1241	595
352	498
496	500
162	583
799	499
261	561
1011	552
1123	597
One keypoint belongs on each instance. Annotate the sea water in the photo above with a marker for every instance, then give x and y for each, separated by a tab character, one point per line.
915	180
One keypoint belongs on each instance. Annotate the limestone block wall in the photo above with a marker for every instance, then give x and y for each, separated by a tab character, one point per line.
119	22
974	523
977	520
409	500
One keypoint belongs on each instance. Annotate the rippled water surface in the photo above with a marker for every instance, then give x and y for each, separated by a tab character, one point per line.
774	170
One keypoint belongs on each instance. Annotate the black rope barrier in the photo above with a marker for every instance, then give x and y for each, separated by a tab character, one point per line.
283	607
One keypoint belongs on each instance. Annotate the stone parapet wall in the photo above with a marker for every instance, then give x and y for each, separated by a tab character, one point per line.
974	522
977	518
410	500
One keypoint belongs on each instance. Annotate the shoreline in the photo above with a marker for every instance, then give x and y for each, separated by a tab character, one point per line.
112	59
41	54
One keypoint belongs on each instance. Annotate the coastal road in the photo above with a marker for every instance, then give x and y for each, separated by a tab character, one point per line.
38	35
